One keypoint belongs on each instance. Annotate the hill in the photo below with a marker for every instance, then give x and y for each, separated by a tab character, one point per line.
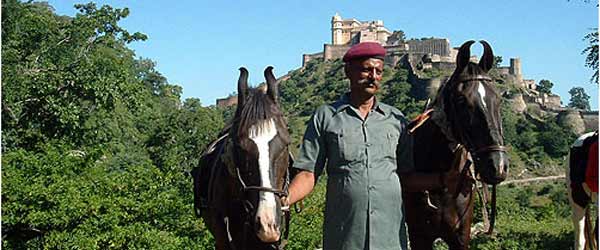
538	143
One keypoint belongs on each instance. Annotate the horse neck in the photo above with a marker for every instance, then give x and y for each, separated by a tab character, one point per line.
431	149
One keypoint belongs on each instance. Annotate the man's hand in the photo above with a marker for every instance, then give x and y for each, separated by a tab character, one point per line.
285	203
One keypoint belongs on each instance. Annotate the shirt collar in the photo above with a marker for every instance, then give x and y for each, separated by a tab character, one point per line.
344	102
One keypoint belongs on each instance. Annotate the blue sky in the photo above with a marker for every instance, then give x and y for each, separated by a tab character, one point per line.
199	45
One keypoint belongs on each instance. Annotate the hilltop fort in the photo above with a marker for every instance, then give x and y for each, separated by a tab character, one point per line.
426	55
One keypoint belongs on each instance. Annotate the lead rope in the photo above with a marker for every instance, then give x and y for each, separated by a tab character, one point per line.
229	238
285	210
493	213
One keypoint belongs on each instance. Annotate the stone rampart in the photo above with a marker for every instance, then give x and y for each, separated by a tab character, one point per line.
228	101
332	52
309	57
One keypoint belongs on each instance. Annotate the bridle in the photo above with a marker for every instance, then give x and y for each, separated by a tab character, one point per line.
476	151
249	209
483	149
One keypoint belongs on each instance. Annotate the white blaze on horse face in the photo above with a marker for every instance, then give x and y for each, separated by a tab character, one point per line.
261	134
481	91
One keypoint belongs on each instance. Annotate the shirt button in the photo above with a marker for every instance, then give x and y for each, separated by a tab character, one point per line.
369	144
371	187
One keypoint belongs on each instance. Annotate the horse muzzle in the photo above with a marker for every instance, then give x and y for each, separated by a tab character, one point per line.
267	225
492	167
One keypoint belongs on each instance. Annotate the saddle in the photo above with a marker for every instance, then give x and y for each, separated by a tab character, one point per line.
203	174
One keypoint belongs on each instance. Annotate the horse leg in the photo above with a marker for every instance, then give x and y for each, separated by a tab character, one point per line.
421	242
578	223
458	242
459	239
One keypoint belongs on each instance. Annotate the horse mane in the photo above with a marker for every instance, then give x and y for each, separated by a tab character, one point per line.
258	107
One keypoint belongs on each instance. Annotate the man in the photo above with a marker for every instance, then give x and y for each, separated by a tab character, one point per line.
363	144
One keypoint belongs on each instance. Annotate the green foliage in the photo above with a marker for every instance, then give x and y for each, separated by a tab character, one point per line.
497	61
435	72
79	66
545	86
90	199
555	139
579	99
530	217
306	226
591	59
96	143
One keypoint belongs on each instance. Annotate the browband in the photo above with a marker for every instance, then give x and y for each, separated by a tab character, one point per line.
474	78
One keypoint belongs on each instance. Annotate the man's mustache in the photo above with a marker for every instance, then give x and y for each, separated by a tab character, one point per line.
369	82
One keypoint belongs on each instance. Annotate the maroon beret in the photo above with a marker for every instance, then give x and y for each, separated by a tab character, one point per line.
365	50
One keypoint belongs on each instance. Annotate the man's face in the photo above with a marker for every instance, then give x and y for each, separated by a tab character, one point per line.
365	75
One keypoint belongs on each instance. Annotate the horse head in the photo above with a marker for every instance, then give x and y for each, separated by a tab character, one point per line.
260	151
472	108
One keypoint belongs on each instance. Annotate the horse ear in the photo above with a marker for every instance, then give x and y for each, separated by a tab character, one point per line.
462	59
487	60
271	83
242	88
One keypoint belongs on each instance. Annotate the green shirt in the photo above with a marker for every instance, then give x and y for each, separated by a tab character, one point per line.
363	207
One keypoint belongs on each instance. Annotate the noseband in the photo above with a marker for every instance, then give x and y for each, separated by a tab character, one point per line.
490	148
279	192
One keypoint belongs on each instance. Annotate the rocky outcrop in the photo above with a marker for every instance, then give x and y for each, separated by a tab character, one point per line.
572	118
517	104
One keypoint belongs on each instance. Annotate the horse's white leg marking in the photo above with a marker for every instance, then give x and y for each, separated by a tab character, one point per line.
261	134
481	91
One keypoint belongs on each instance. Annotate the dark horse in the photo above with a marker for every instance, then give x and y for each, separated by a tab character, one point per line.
243	175
464	124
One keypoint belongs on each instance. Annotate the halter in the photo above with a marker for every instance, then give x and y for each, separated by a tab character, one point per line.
474	78
249	209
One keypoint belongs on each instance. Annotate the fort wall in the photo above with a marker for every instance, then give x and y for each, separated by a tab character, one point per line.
228	101
332	52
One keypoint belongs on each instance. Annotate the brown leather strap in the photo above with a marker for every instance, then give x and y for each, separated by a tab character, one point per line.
490	148
493	212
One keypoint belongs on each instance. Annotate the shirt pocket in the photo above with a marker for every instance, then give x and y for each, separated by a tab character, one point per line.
391	145
352	145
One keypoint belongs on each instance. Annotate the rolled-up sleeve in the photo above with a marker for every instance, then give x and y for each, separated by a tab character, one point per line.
404	151
312	155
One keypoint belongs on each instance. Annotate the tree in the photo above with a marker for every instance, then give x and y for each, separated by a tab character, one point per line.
579	99
591	60
96	143
61	70
397	37
545	86
497	61
555	139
